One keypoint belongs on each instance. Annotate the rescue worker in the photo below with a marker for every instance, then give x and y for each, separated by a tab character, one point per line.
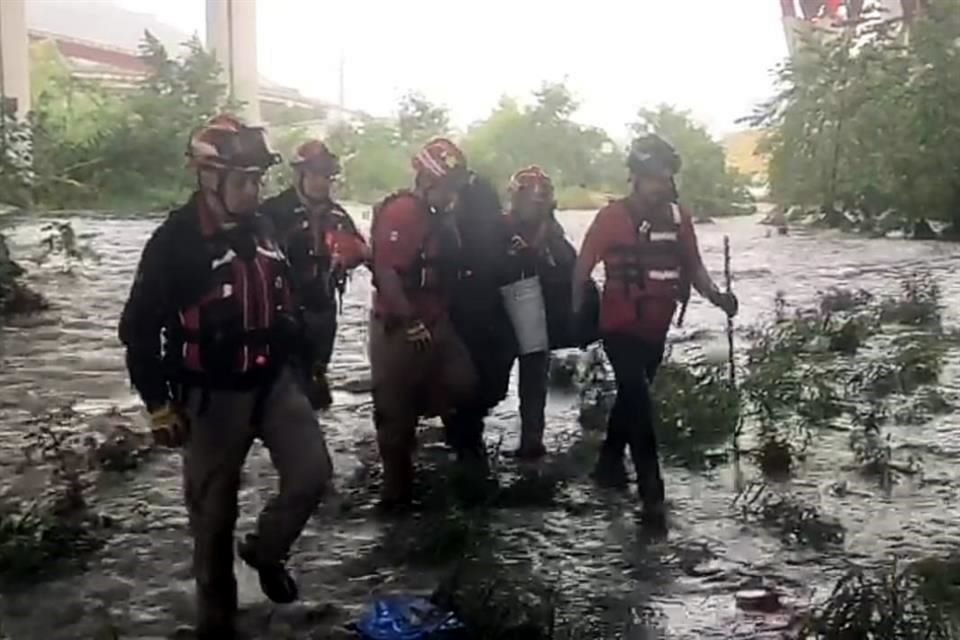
208	329
419	365
323	246
538	248
479	316
649	249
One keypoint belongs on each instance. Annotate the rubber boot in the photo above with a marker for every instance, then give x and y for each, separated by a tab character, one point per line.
610	471
531	440
651	493
533	401
396	491
217	615
275	581
318	392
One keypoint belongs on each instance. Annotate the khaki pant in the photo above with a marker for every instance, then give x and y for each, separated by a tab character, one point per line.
408	384
221	432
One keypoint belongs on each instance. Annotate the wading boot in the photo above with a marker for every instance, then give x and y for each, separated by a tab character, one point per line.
396	490
318	392
530	452
610	471
650	491
531	436
275	581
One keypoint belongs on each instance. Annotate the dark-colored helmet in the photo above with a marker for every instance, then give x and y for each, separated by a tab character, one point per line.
651	155
225	142
315	155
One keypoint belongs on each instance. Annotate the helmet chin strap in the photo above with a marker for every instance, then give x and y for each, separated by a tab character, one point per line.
220	195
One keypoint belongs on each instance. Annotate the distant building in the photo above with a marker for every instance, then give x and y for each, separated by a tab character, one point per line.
98	42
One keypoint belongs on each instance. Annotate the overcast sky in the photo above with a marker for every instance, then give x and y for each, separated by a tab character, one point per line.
617	55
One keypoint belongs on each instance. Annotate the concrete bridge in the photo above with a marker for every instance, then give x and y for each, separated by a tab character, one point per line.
231	34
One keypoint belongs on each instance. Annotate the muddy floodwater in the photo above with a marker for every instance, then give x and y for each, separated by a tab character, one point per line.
139	584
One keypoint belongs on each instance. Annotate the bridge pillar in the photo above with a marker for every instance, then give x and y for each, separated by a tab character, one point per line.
14	56
232	38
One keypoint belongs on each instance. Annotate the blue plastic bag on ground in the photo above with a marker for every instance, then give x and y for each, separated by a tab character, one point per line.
406	618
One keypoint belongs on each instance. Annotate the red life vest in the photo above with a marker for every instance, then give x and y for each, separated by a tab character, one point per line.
436	266
231	333
650	264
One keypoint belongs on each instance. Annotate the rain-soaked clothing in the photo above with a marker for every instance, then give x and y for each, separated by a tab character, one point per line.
478	313
631	422
223	426
650	259
408	383
208	329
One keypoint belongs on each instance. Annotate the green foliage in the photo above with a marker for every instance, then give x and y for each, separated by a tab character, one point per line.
861	123
708	187
544	133
93	146
892	603
696	409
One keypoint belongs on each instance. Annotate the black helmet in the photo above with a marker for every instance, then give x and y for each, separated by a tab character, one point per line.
652	155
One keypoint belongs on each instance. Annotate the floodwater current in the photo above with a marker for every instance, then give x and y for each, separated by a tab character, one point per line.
140	585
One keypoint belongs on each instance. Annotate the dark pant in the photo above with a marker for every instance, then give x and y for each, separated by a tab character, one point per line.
532	390
321	329
631	423
222	429
492	353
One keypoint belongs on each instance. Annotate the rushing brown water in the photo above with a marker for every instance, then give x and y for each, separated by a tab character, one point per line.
681	587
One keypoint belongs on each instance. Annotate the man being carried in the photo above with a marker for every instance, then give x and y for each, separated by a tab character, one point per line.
208	329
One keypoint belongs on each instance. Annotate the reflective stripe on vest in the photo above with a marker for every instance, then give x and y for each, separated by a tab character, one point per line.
663	236
663	276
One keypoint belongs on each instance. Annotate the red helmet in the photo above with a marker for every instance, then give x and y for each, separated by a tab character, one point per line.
225	142
438	158
315	155
534	180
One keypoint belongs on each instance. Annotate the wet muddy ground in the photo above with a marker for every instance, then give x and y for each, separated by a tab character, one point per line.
583	542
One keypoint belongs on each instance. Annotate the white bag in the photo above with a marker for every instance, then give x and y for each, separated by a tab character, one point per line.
523	300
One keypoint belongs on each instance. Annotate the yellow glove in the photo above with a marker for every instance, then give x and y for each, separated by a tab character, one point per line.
169	427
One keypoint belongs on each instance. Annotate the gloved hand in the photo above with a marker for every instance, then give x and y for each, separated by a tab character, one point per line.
418	335
169	426
319	392
727	301
517	243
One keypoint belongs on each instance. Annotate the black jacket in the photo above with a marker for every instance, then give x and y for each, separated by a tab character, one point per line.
174	272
